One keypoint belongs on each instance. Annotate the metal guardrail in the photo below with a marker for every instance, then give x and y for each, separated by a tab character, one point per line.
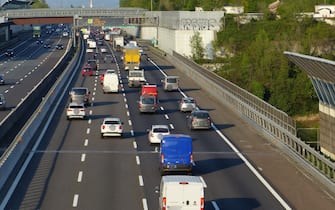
273	123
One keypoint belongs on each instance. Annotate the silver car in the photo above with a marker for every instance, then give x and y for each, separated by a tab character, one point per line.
148	103
111	126
199	119
79	95
187	104
2	102
75	110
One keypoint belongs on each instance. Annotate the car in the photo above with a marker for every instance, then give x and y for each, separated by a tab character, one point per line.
9	53
147	103
39	41
87	70
47	45
109	57
2	102
187	104
157	132
93	63
79	95
111	126
59	46
199	119
103	50
2	79
75	110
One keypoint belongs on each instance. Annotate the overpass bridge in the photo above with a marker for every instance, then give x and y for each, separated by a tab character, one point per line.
169	30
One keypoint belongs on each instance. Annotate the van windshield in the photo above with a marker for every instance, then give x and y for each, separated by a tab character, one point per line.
171	80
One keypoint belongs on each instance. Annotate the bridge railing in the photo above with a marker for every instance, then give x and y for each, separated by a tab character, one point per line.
70	12
274	124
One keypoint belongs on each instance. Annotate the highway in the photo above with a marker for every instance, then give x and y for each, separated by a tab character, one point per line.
73	167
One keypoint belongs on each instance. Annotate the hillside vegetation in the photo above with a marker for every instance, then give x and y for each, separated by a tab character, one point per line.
253	53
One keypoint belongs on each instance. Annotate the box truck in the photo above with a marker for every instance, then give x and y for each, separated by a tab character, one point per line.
182	193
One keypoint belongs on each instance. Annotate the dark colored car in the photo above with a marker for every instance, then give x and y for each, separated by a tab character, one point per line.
47	45
199	119
2	79
59	46
9	53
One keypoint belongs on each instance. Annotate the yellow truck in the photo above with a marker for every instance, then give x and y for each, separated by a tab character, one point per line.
131	58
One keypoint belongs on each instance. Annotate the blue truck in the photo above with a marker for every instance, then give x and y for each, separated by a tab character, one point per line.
176	154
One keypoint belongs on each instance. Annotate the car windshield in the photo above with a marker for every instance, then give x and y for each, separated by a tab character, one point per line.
188	100
160	130
148	100
201	115
112	122
79	91
171	80
76	106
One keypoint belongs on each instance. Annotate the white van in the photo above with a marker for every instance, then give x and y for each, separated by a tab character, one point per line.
182	192
111	83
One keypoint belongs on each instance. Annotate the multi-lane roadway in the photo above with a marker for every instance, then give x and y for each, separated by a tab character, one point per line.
73	167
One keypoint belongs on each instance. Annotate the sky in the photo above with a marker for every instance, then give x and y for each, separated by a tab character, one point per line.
83	3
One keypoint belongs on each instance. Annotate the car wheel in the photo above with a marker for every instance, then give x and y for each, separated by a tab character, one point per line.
102	135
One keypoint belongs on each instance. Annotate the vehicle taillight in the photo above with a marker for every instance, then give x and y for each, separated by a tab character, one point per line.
164	203
103	126
82	110
69	110
120	127
151	135
162	158
202	203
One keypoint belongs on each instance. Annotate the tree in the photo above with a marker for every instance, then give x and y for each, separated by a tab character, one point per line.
40	4
197	48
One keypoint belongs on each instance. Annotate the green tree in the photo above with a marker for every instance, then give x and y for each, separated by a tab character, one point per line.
40	4
197	48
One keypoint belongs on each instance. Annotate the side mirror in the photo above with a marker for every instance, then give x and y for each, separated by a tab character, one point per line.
148	130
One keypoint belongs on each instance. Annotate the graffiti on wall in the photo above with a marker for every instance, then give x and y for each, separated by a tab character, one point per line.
199	24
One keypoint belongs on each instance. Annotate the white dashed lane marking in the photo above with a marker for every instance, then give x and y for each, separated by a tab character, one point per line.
75	200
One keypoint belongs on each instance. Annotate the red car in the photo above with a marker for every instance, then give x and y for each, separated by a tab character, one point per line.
87	70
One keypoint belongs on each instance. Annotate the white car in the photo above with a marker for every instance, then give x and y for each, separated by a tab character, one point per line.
187	104
156	133
75	110
111	126
103	50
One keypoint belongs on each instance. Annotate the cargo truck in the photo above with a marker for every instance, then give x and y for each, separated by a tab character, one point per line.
131	58
37	31
118	42
136	78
